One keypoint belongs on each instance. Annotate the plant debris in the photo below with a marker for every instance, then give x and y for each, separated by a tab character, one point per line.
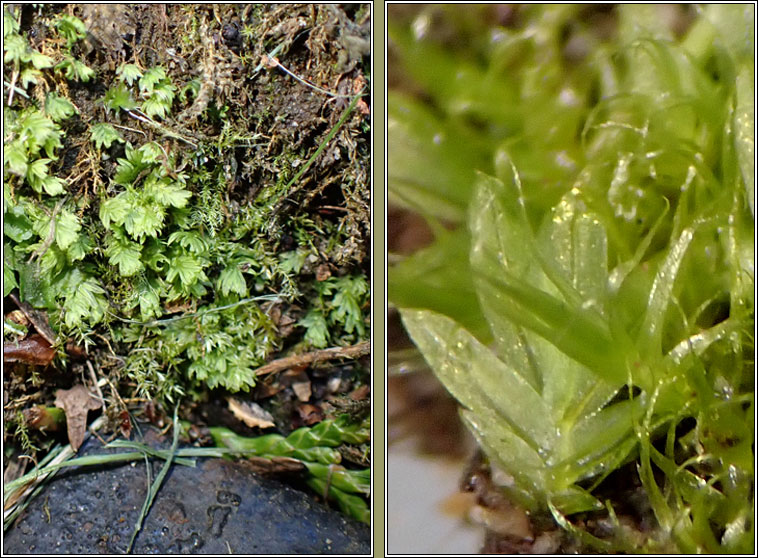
35	349
252	414
76	402
36	318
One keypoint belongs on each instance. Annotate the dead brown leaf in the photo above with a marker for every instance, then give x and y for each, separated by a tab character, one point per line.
154	413
125	424
35	349
76	403
323	272
179	306
75	351
251	414
302	390
360	393
310	414
17	316
363	107
269	62
40	418
267	389
14	469
37	318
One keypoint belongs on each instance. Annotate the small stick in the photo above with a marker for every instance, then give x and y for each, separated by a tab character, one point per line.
130	129
353	351
273	62
160	129
12	84
94	381
16	89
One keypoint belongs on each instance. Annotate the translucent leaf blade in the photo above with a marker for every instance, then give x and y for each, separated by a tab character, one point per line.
477	378
509	452
426	279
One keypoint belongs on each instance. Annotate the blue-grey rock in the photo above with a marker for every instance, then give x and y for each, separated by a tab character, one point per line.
219	507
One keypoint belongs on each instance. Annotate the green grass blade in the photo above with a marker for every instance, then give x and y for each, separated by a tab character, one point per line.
78	461
155	487
325	142
143	448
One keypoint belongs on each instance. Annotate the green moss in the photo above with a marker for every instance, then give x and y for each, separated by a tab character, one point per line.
164	225
602	259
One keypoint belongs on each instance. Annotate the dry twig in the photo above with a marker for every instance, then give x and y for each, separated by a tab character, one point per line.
353	352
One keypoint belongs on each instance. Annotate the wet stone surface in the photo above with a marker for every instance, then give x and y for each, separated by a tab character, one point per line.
219	507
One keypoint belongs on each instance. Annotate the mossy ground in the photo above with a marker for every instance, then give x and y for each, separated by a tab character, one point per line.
563	103
184	231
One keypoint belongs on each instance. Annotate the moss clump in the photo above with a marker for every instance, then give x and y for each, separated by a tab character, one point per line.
591	168
136	190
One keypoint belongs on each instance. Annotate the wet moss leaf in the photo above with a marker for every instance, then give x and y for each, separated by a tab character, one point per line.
15	157
58	108
16	48
144	220
511	453
460	86
232	281
71	28
103	135
16	224
431	171
735	27
151	78
128	73
119	97
555	293
149	301
34	286
744	131
317	331
425	279
114	210
186	268
9	280
477	378
66	228
610	255
126	255
85	300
